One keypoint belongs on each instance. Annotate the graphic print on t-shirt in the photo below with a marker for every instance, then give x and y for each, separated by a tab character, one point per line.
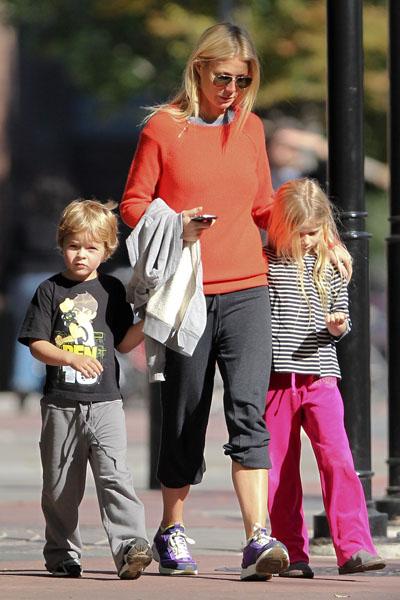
79	336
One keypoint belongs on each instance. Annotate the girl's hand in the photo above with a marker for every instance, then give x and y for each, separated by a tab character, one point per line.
192	230
340	257
336	323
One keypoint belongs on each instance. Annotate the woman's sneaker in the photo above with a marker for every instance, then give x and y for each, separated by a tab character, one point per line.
70	567
263	556
137	557
171	551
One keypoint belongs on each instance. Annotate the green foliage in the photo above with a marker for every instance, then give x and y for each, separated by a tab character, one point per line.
377	224
117	49
113	48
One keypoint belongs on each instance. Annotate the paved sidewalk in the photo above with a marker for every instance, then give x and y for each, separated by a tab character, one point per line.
218	579
212	516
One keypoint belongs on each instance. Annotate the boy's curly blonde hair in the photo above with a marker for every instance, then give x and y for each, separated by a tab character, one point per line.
93	219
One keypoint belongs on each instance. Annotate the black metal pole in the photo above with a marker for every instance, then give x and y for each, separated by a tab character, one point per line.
346	189
155	430
225	10
391	502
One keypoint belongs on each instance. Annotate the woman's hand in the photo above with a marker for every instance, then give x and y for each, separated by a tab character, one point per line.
340	257
192	230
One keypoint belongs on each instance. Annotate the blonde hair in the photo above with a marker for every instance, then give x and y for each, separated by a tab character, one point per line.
93	219
219	42
297	203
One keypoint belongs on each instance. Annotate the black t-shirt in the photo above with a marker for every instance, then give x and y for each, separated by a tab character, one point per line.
89	318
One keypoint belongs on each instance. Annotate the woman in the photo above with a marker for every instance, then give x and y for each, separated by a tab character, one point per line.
204	152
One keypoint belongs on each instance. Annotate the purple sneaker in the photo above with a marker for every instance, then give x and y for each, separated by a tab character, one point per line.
263	556
171	552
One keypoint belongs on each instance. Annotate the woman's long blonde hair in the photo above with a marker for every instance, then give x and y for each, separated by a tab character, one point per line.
301	202
219	42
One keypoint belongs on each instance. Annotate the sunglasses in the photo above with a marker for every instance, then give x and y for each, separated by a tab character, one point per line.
242	81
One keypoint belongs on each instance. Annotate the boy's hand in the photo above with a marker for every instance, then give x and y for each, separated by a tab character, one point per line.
88	366
48	353
336	323
133	337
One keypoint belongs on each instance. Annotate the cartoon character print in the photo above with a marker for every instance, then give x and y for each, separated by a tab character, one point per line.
78	314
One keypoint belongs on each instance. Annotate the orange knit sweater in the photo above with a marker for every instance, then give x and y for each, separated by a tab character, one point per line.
219	168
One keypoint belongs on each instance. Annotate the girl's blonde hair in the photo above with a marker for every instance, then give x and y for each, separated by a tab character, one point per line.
219	42
299	203
93	219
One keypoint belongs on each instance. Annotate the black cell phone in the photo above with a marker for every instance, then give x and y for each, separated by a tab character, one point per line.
204	218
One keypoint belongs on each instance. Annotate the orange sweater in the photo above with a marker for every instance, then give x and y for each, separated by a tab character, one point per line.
224	171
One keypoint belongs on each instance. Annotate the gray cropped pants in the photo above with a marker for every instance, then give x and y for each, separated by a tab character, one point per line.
237	338
72	436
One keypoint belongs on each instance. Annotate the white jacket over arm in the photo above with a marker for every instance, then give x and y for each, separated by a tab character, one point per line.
166	286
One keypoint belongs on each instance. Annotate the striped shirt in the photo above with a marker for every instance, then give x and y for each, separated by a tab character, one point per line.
301	342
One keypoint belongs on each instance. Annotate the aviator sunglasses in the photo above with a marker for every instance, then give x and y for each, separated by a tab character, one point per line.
242	81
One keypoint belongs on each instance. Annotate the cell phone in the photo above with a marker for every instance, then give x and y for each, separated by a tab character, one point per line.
203	218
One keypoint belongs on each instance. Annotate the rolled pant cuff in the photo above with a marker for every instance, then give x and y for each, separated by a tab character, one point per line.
252	458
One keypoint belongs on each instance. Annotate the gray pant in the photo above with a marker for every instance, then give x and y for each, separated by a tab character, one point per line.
73	435
237	338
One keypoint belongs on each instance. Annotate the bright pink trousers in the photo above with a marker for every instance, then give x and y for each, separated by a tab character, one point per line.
297	401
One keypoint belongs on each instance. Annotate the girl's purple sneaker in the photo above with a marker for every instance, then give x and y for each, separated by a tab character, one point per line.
263	556
171	551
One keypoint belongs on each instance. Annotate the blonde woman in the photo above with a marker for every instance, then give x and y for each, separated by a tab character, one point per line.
204	152
309	307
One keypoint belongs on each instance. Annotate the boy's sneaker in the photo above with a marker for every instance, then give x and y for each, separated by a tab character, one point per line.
137	557
171	551
362	561
70	567
263	556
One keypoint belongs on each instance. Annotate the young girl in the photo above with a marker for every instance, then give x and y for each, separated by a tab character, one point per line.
309	305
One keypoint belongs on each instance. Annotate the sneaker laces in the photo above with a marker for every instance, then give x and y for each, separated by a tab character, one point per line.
178	541
260	535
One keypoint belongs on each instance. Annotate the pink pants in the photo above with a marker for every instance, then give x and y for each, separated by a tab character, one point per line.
295	401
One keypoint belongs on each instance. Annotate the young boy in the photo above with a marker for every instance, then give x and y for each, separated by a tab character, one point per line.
74	322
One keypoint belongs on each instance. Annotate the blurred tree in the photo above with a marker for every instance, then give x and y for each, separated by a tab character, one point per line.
127	53
116	49
7	65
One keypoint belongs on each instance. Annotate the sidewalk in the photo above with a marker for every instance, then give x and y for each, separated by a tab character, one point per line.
212	517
